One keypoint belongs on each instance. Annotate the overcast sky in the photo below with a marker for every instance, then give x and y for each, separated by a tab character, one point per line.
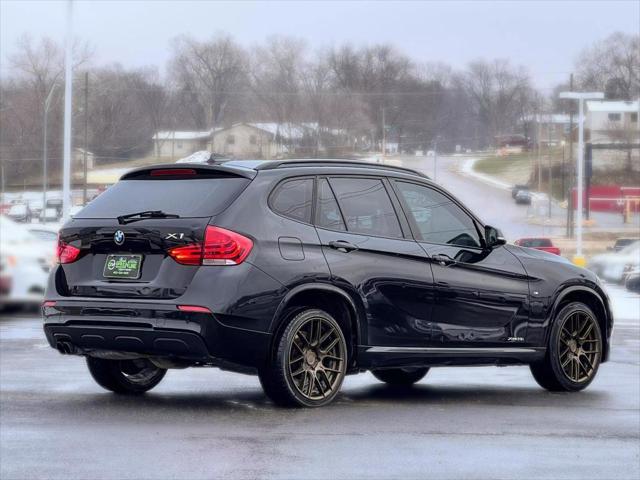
545	36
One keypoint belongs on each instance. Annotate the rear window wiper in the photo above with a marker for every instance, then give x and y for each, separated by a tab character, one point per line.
134	217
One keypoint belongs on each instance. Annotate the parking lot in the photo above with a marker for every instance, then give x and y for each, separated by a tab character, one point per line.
205	423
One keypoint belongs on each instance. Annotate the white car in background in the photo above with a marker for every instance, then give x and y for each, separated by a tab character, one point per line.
49	215
45	232
614	266
25	262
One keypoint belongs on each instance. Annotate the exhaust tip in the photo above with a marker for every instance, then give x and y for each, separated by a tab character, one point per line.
65	348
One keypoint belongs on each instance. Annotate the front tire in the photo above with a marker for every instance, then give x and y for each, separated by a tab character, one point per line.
309	362
400	376
574	351
125	376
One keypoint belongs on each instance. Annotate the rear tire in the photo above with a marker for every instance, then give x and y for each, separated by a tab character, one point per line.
400	376
574	351
125	376
309	362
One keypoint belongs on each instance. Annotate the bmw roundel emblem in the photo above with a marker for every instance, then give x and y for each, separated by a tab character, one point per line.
118	237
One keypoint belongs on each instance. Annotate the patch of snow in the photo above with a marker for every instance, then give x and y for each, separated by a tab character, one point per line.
201	156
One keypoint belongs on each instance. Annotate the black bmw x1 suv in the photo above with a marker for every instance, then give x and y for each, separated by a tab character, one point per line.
304	272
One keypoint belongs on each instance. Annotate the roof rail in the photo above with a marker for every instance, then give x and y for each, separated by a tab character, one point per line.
271	165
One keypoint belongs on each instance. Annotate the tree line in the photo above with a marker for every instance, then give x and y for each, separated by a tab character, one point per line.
218	82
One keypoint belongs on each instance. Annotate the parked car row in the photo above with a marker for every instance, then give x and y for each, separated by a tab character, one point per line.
27	254
620	264
27	212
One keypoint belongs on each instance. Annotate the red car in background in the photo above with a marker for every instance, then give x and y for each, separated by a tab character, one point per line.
544	244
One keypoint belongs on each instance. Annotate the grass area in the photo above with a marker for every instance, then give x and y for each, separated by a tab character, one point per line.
513	169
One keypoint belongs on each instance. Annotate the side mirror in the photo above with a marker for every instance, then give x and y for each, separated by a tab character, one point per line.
493	237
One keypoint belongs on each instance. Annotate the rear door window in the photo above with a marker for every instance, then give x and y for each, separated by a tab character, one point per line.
294	199
328	215
187	198
366	206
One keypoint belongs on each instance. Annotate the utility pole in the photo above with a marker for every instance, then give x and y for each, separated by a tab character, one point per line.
68	80
435	159
581	97
550	176
539	135
571	122
47	104
384	134
86	129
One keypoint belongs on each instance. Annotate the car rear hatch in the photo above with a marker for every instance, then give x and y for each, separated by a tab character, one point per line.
143	237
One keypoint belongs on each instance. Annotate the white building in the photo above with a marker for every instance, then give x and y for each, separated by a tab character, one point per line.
240	140
612	121
176	144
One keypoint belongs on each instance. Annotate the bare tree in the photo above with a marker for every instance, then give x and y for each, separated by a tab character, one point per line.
210	73
613	66
497	92
155	101
276	70
35	67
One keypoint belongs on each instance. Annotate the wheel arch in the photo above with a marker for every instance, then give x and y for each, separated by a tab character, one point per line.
329	298
593	300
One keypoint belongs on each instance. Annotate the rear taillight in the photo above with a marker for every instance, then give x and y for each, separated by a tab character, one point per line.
188	255
220	247
66	253
224	247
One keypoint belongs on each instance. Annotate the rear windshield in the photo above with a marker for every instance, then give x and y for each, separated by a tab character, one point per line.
186	198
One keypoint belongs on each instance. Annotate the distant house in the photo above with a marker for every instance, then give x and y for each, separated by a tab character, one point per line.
612	121
241	140
174	144
257	140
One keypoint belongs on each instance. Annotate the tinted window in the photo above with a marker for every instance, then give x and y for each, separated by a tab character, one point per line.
293	199
366	206
187	198
439	220
328	212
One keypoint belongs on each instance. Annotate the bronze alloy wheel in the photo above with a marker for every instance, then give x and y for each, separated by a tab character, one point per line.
579	346
317	358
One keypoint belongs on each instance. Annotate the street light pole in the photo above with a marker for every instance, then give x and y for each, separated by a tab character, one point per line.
581	97
384	134
68	80
47	104
435	159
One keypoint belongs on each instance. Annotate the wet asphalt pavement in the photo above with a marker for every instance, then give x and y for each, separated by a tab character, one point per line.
482	422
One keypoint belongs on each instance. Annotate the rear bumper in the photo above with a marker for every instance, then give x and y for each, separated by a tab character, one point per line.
153	330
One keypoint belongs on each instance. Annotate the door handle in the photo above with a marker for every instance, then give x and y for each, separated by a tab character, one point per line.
444	260
343	246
